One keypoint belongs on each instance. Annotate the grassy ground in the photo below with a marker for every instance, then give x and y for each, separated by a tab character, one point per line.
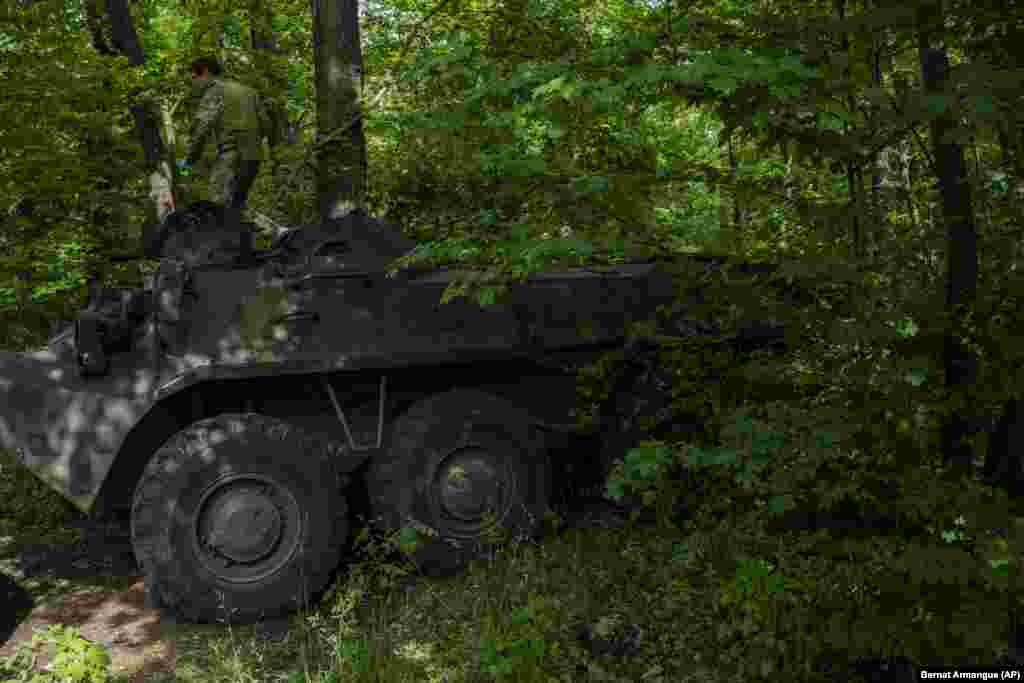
671	598
513	616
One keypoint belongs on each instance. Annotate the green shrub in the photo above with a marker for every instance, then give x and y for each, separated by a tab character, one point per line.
75	659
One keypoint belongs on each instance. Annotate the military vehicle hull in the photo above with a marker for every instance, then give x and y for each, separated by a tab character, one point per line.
70	428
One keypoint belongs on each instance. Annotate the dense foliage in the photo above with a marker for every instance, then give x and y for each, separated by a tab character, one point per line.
517	134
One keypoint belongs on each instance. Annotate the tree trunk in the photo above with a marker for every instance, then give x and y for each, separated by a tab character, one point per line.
272	71
98	28
167	121
878	211
122	32
159	164
112	31
341	147
854	187
961	250
1005	147
737	202
788	179
854	183
907	164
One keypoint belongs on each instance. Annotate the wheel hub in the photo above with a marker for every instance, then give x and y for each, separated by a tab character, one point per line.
241	522
469	484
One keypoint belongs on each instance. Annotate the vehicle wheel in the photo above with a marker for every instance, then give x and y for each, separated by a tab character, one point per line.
453	457
239	517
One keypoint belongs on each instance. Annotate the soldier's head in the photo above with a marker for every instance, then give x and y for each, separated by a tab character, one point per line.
204	68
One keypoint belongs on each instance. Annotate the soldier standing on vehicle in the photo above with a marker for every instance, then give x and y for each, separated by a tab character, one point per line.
234	117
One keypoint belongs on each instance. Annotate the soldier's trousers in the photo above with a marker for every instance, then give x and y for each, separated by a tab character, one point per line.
231	178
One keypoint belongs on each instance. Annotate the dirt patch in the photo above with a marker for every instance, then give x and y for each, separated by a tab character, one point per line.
93	585
134	635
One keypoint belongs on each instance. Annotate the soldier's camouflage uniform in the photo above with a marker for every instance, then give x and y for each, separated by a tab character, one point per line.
231	116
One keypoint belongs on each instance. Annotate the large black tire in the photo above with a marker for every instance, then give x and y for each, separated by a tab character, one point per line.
421	480
239	517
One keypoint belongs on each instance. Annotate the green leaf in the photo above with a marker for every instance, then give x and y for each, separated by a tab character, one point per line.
1000	567
824	440
648	74
579	246
591	184
487	295
680	552
743	425
520	233
779	504
792	91
774	584
520	616
917	376
408	538
725	85
937	104
831	120
983	104
906	327
555	84
952	535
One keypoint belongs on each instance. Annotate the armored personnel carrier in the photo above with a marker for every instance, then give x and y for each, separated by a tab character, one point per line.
236	403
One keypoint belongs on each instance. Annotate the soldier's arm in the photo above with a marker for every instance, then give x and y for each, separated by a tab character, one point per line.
210	108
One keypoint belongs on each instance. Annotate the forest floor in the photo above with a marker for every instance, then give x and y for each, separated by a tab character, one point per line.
92	583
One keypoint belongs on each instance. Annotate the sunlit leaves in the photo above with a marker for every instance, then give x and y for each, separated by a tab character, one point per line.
560	86
724	85
835	120
590	184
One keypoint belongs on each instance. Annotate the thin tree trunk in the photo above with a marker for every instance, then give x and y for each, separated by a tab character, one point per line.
99	29
110	25
961	249
877	209
854	188
1006	149
341	146
788	180
907	161
853	171
167	119
123	35
737	205
275	78
979	180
